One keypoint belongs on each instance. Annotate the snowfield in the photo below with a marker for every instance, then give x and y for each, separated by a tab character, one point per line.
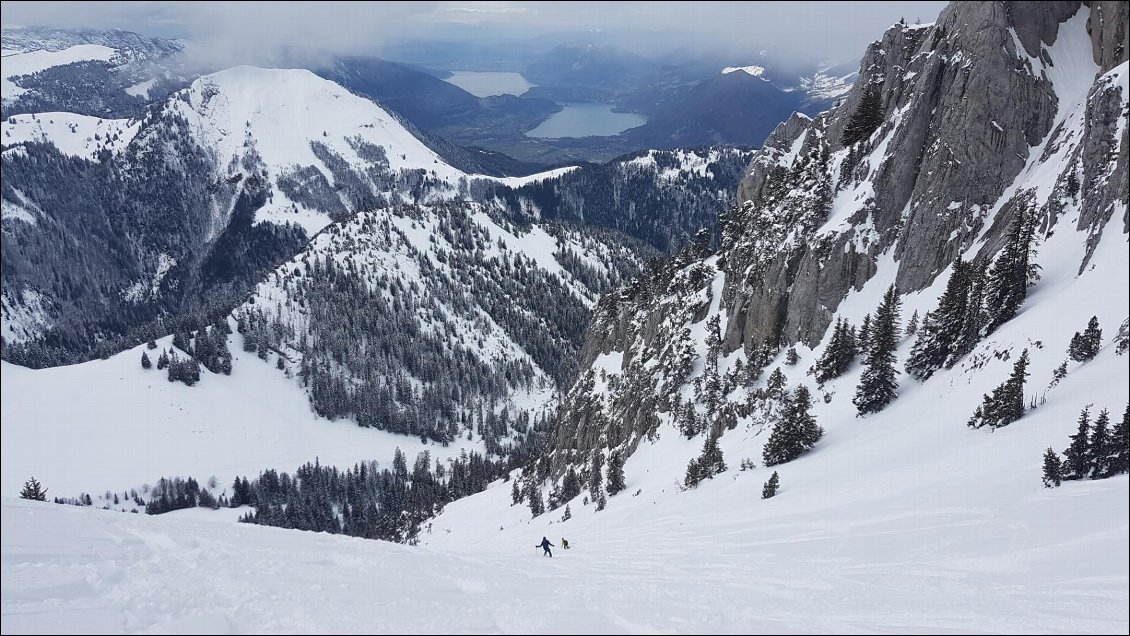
111	425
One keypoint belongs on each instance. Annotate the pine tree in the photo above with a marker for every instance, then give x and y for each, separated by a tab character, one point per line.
863	339
770	488
1101	449
941	329
33	490
152	344
145	362
912	326
689	422
568	513
596	474
615	472
1077	457
693	475
711	460
838	355
162	361
1053	469
775	384
1085	346
1072	185
1120	443
1007	286
1006	403
537	504
791	357
712	384
878	384
975	316
515	493
794	432
1059	373
866	118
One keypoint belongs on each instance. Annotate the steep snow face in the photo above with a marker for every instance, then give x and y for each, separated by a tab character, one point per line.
79	136
282	122
324	150
25	62
908	509
832	221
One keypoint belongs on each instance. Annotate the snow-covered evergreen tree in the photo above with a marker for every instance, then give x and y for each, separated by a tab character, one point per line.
1053	469
878	384
1077	457
1120	442
1005	404
146	363
33	490
839	354
708	464
942	327
795	431
1101	448
1085	346
615	472
1007	285
770	488
791	357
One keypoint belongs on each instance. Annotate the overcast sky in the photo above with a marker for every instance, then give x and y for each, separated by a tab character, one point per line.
250	33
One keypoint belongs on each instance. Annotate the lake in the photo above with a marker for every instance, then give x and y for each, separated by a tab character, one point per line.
487	83
586	120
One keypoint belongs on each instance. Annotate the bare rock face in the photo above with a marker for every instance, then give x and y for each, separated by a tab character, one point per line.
1108	29
929	157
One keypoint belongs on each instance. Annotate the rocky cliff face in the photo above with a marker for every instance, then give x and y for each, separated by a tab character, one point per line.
951	131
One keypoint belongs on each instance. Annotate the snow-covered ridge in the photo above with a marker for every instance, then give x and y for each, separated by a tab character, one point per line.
17	62
753	70
275	118
79	136
685	162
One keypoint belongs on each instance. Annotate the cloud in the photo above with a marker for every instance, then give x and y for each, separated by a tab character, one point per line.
225	33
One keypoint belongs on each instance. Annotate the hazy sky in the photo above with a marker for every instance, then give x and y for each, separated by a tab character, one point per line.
250	33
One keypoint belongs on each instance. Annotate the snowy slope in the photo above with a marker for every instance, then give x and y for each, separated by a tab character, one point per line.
939	527
80	136
109	424
716	560
906	521
272	119
19	62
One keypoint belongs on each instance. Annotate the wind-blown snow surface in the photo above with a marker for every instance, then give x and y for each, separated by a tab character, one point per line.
831	553
109	424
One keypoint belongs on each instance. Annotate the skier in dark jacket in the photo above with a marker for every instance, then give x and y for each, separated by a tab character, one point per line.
545	545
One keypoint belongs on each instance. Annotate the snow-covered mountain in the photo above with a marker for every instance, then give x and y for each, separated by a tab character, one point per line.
996	136
98	73
836	421
203	194
889	188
